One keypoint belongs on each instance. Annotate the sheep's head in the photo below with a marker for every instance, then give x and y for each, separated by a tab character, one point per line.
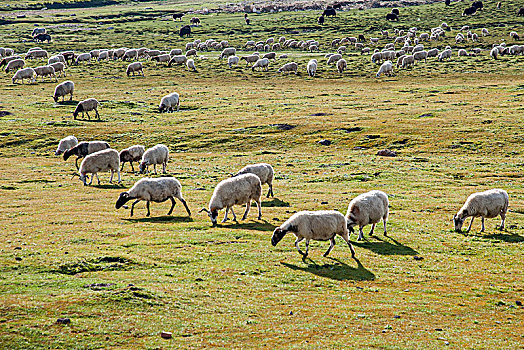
55	98
278	234
84	178
350	223
142	167
213	214
459	221
122	199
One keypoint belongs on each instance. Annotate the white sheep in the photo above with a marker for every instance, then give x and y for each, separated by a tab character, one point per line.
432	52
487	204
236	190
37	53
134	67
312	67
250	59
386	68
270	56
191	52
83	57
181	59
168	102
376	57
86	106
153	190
131	54
368	208
190	64
444	54
24	73
264	172
408	60
105	160
104	55
341	65
289	67
94	53
65	144
231	60
334	58
45	71
462	52
59	67
229	51
14	65
131	154
175	52
485	32
63	89
56	58
158	154
262	63
494	52
420	55
322	225
162	58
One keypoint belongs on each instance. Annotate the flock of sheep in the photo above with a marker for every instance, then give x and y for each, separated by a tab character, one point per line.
246	186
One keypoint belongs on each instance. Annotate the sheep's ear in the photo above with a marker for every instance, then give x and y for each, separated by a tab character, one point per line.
465	212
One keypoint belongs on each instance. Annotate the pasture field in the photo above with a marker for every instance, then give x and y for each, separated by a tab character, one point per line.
65	252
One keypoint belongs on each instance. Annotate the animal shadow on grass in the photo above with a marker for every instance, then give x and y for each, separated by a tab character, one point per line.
338	271
386	248
509	238
66	103
259	226
108	186
160	219
275	202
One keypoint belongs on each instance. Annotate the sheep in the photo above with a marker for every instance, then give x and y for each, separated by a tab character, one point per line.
231	60
230	51
444	54
270	56
181	59
94	53
341	65
432	53
104	55
158	154
134	67
37	54
153	190
8	59
235	190
105	160
153	53
56	58
86	106
399	61
191	52
131	54
322	225
64	88
264	172
487	204
14	65
289	67
334	58
24	73
161	58
376	57
168	102
312	67
420	55
262	63
368	208
494	53
386	68
190	64
462	52
65	144
44	71
514	35
250	59
408	60
131	154
175	52
83	57
59	67
85	148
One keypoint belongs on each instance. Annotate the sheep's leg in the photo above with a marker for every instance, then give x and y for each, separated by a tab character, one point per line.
172	205
154	167
76	163
307	247
185	204
97	178
360	233
225	216
345	237
133	206
96	114
503	217
88	116
132	169
164	165
122	167
147	206
119	178
331	245
482	219
372	230
296	245
234	216
111	177
92	177
471	223
259	210
248	206
385	230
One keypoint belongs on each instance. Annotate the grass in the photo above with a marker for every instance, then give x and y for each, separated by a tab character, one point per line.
66	252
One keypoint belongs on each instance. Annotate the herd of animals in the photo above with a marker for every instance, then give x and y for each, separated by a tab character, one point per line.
246	186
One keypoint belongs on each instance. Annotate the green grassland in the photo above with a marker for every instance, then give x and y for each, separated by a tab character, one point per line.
456	127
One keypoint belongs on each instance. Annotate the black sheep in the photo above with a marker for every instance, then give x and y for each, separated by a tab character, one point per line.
178	16
448	2
321	20
329	12
361	38
395	11
478	5
391	17
42	37
185	30
521	12
469	11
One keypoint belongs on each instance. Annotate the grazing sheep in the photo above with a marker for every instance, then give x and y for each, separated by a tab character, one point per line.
37	54
131	54
56	58
69	56
24	73
341	65
270	56
158	154
487	204
262	63
514	35
230	51
250	59
289	67
152	53
65	144
432	53
408	60
85	148
131	154
84	57
444	54
8	59
368	208
94	53
191	52
322	225
175	52
462	52
161	58
231	60
14	65
190	64
168	102
45	71
86	106
376	57
153	190
334	58
494	53
37	31
105	160
386	68
420	55
134	67
312	67
264	172
238	190
64	88
181	59
59	67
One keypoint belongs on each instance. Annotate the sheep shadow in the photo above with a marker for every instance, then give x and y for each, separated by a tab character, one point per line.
160	219
66	103
108	186
259	226
338	271
383	247
508	238
275	202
